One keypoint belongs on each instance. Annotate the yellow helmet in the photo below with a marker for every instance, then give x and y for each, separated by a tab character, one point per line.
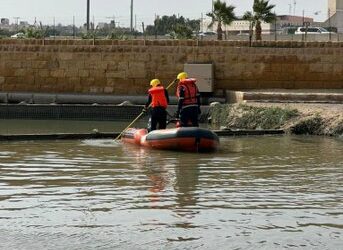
155	82
182	75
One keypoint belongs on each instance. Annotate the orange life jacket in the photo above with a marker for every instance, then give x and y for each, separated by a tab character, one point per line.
158	96
190	90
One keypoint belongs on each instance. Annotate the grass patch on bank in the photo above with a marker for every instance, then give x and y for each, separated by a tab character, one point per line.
243	116
309	125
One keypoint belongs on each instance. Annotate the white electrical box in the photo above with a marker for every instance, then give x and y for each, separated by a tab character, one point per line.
204	75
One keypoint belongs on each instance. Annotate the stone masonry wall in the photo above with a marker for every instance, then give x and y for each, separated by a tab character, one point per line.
126	67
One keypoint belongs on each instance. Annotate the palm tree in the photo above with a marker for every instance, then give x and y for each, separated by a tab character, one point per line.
221	14
262	12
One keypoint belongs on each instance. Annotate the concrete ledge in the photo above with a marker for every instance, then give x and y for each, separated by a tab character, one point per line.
55	98
58	98
105	44
82	112
279	95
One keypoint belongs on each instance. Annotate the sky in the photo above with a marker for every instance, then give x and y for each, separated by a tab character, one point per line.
62	11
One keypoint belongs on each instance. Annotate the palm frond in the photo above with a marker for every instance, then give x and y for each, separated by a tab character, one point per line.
263	11
222	13
248	16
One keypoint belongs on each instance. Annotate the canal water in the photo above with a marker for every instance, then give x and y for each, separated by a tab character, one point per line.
13	127
279	192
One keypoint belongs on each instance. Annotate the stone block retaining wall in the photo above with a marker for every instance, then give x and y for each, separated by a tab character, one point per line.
126	67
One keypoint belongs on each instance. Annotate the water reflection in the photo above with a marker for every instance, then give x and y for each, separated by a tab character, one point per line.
10	127
254	193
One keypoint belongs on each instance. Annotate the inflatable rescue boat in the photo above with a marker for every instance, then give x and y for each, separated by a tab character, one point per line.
191	139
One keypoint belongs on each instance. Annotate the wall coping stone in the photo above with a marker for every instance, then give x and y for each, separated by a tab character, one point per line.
182	43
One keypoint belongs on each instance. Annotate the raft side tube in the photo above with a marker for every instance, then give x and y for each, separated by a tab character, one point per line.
184	132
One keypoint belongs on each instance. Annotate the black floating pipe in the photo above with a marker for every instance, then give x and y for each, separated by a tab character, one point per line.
101	135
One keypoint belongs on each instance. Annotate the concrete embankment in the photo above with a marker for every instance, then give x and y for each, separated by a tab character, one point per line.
296	118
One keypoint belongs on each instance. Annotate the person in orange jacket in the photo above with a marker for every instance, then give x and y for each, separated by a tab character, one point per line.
158	100
189	103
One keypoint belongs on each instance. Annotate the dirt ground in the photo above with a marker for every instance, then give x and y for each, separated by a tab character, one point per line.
325	110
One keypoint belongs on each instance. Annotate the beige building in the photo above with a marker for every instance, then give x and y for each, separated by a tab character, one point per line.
242	26
336	15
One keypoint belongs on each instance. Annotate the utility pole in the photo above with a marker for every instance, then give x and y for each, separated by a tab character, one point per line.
74	33
329	15
290	9
155	25
54	28
131	16
306	25
275	27
93	26
16	22
212	11
88	14
143	28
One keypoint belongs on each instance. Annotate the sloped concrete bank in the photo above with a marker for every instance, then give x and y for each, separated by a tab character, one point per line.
295	118
82	112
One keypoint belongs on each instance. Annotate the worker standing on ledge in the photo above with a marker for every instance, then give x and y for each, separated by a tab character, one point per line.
158	100
188	108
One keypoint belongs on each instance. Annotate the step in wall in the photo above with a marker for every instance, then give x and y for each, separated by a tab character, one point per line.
307	96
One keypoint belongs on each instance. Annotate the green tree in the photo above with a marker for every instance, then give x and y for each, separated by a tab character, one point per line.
33	32
167	24
221	15
5	33
181	32
262	12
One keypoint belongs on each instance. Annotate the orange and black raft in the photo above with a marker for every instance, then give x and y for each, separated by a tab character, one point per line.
192	139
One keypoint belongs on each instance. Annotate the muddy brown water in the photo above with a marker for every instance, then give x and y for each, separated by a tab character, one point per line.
279	192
